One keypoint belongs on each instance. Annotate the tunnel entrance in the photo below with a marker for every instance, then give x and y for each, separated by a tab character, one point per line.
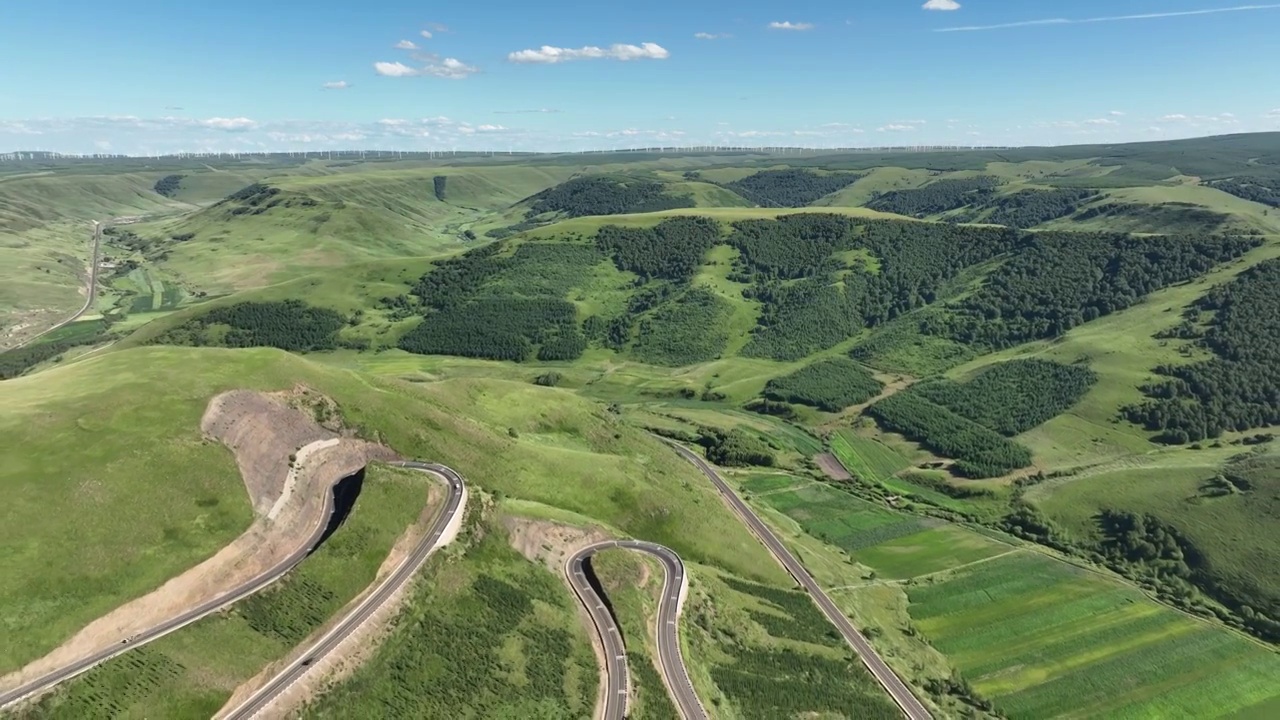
345	493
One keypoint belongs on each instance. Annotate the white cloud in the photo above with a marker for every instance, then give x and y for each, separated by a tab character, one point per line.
526	112
1110	18
1176	117
896	127
1101	121
942	5
394	69
548	54
426	34
492	128
451	68
236	124
711	36
337	85
1272	113
788	25
406	45
1116	113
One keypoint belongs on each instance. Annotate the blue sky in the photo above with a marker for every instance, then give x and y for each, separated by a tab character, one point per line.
143	76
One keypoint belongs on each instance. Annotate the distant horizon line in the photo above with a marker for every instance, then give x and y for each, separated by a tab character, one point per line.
34	154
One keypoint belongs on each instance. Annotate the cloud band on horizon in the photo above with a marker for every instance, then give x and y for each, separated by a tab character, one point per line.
1112	18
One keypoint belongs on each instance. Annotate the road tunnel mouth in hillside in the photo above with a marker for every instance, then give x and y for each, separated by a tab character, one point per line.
345	492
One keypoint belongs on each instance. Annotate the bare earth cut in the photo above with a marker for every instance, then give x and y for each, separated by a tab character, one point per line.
266	432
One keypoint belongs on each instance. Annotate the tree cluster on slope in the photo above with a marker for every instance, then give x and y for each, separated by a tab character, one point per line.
439	183
735	448
687	329
1029	208
1237	389
288	324
1259	190
606	195
1015	396
830	385
1060	280
790	188
978	451
504	328
792	246
672	250
169	185
937	197
800	318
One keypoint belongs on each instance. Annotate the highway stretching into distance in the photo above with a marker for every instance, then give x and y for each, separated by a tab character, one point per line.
453	508
892	684
617	677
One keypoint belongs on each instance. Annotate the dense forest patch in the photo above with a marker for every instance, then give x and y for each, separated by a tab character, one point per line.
799	319
500	329
790	188
1186	217
937	197
978	451
439	185
830	385
606	195
169	185
671	250
1014	396
1259	190
1028	208
1239	388
687	329
791	246
289	325
1060	280
257	198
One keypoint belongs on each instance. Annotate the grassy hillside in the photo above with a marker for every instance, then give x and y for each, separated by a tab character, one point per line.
962	371
527	442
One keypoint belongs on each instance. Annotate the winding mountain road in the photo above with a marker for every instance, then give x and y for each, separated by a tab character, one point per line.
892	684
617	679
452	514
446	524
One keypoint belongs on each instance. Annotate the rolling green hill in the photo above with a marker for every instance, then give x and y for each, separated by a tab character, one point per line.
1058	355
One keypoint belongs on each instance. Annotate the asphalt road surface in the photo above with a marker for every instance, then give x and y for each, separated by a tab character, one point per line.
233	595
267	694
89	296
617	679
897	689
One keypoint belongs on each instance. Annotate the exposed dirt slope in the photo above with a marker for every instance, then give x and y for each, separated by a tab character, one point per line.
264	431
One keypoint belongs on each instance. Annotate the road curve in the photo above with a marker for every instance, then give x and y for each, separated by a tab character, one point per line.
892	684
617	679
233	595
89	296
451	515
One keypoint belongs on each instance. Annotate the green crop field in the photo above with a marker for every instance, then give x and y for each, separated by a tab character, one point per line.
867	458
1042	639
191	673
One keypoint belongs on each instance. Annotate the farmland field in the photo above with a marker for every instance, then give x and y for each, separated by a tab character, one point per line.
866	458
1043	639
